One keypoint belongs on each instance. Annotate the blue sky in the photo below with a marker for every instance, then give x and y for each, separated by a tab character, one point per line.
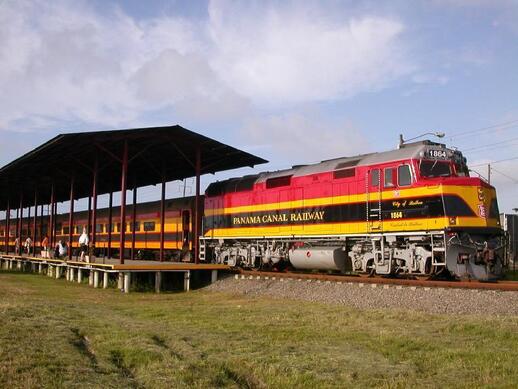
294	82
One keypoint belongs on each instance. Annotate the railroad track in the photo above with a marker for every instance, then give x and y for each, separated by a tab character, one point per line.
499	285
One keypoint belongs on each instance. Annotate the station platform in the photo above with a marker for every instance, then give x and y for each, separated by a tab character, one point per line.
77	270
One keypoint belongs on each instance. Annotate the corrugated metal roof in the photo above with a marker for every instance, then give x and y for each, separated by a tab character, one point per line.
152	152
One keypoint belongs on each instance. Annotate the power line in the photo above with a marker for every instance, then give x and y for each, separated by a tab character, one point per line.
493	162
490	145
506	175
502	126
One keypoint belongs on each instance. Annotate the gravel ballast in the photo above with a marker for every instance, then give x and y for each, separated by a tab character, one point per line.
377	296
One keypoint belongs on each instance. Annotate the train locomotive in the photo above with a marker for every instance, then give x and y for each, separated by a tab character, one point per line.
414	210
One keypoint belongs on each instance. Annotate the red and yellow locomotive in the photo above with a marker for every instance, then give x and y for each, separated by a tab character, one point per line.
413	210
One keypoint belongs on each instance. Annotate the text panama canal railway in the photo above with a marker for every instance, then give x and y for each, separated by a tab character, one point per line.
414	210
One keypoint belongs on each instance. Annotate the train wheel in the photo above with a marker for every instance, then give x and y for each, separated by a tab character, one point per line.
369	274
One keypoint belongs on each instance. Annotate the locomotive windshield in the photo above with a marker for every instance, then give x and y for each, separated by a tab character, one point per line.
435	168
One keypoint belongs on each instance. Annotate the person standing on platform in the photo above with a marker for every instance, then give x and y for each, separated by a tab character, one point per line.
55	254
63	250
83	244
17	246
28	245
45	247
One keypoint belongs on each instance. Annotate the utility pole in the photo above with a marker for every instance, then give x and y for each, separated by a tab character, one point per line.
489	173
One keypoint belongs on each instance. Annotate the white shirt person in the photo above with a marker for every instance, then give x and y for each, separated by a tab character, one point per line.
83	243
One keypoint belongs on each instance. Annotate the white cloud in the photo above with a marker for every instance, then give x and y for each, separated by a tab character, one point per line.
302	137
188	83
63	62
280	55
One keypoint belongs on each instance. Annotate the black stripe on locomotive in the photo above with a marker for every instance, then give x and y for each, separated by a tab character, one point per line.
423	207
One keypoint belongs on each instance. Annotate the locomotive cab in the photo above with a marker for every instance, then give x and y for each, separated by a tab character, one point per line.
472	226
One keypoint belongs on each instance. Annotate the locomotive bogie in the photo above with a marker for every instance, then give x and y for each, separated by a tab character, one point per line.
476	256
427	254
391	254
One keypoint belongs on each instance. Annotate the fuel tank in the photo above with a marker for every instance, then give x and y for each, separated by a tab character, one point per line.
320	258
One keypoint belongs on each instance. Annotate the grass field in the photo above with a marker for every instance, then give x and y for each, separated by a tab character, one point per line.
57	334
511	275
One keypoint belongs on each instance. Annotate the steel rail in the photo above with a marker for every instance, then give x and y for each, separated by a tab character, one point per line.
463	284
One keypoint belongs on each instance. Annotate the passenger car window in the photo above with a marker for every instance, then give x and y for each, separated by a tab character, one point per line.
403	175
389	177
149	226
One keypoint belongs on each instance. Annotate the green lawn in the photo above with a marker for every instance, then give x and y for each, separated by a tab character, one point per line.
511	275
58	334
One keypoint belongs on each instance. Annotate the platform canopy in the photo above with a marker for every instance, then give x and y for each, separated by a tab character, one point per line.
153	154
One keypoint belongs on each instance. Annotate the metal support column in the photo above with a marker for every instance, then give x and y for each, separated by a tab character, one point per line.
42	236
124	176
35	222
94	209
110	224
197	216
162	220
51	218
55	222
20	227
28	225
133	222
16	226
7	227
89	223
71	220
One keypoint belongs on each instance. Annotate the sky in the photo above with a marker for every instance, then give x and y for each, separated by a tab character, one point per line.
291	81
